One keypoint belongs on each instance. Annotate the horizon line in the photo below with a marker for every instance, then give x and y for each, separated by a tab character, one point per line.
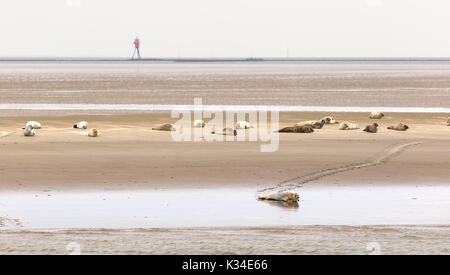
219	59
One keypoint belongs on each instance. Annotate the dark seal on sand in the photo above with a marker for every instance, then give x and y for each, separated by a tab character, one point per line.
297	129
371	128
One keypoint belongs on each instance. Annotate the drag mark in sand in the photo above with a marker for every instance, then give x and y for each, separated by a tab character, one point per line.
298	182
5	134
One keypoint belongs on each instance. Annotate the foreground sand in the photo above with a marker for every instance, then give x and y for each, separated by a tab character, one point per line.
128	154
234	240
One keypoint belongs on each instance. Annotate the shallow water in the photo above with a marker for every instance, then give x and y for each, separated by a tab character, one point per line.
311	83
319	205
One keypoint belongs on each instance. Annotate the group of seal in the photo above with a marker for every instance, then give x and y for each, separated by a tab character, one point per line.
318	124
201	124
308	126
29	129
374	126
84	125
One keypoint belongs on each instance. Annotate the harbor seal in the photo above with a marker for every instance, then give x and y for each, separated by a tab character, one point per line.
296	129
348	126
226	132
199	123
34	124
305	123
164	127
399	127
243	125
81	125
371	128
329	120
93	133
312	123
284	196
29	131
448	121
318	124
376	115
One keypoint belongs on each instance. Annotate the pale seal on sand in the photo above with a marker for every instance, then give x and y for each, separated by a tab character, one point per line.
376	115
312	123
284	196
305	123
34	124
399	127
29	131
243	125
164	127
93	133
297	129
199	123
330	120
371	128
348	126
81	125
226	132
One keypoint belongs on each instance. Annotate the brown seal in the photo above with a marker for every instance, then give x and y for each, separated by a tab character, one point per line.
312	123
93	133
284	196
399	127
164	127
297	129
318	124
371	128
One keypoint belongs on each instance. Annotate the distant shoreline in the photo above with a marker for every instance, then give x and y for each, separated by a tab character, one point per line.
212	60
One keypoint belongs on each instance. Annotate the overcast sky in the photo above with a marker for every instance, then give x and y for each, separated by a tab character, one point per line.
226	28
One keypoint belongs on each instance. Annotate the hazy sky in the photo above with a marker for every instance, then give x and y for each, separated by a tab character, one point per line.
226	28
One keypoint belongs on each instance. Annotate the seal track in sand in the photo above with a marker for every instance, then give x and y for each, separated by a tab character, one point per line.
298	182
5	133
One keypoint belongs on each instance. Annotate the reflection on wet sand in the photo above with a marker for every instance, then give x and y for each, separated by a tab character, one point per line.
282	204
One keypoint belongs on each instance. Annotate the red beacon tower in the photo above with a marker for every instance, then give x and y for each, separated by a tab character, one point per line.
137	44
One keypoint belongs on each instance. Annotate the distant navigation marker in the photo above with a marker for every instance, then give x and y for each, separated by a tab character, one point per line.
136	43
